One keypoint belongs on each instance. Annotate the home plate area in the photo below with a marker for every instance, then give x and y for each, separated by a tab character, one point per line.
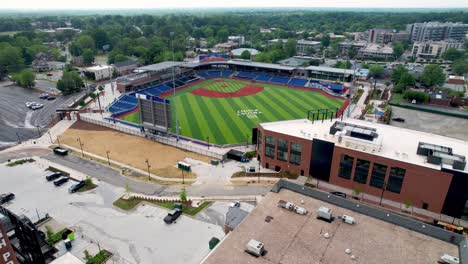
249	113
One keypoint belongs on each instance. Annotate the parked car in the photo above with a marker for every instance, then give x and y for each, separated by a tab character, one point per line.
51	98
6	197
35	106
28	104
234	204
76	187
172	216
339	194
44	96
60	181
53	176
60	151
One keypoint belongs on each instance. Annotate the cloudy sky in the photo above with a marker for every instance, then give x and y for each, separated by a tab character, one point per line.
113	4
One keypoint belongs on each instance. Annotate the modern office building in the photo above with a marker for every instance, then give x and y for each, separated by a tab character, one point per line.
385	36
437	31
393	163
433	49
304	47
375	51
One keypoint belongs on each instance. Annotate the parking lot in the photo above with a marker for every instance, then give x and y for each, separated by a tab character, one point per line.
137	237
16	120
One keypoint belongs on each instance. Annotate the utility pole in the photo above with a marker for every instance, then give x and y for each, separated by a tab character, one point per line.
81	146
148	166
173	86
108	160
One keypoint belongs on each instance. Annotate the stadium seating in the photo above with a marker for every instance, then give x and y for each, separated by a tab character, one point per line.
279	79
226	74
246	75
298	82
124	104
263	77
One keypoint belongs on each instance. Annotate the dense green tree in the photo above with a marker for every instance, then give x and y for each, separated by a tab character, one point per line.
397	72
460	67
343	64
433	75
290	47
326	40
86	42
398	49
406	80
70	83
376	71
453	54
245	55
10	60
352	53
420	97
88	57
25	78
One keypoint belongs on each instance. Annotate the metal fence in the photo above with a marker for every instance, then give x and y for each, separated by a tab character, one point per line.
158	138
393	218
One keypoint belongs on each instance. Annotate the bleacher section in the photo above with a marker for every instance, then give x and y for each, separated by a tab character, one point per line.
246	75
263	77
279	79
125	103
298	82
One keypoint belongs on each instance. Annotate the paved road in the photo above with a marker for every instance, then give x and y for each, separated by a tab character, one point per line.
113	177
15	118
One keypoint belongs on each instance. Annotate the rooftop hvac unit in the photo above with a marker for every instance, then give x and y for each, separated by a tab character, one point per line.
255	248
348	219
324	213
447	259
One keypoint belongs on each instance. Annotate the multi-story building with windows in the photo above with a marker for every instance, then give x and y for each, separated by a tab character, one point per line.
386	36
437	31
433	49
393	163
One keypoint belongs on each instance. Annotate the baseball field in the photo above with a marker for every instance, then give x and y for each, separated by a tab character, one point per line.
224	111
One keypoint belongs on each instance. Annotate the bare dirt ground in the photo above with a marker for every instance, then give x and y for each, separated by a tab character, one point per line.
131	150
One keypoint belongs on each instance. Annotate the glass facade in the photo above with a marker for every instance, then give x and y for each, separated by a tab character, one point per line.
346	167
282	150
395	180
378	175
259	140
362	170
296	152
270	147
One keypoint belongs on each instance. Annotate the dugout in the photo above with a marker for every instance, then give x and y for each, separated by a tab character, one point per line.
236	155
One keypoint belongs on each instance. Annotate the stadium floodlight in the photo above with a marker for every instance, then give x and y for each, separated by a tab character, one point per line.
173	85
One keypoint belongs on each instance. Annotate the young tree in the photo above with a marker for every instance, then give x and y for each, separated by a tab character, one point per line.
245	55
433	75
183	195
25	78
376	71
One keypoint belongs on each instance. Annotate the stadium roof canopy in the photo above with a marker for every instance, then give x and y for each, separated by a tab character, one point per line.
238	52
330	69
261	65
160	66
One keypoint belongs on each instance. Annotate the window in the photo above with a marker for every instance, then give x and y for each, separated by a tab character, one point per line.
282	152
378	175
362	169
346	167
296	152
269	147
395	180
425	206
259	140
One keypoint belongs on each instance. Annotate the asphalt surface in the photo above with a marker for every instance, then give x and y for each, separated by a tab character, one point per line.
17	122
114	177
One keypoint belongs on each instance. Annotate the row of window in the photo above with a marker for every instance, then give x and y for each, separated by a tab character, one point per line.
284	150
361	172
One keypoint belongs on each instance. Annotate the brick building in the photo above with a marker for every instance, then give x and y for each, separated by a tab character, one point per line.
393	163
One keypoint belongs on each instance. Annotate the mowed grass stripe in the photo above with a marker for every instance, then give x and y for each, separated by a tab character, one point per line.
199	117
253	103
212	125
234	125
265	99
216	110
295	107
186	115
309	99
303	100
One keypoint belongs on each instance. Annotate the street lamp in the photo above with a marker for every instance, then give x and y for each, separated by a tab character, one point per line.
108	160
147	163
50	136
81	146
381	195
38	131
58	140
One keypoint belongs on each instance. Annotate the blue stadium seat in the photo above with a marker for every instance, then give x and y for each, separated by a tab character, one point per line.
263	77
297	82
279	79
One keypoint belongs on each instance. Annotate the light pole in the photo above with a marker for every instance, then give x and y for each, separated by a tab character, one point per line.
58	140
148	166
38	132
50	136
81	146
108	160
208	141
173	85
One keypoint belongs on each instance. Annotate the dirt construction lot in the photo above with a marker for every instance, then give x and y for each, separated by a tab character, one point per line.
131	150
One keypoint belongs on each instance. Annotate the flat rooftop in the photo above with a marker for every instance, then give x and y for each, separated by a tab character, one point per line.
293	238
392	142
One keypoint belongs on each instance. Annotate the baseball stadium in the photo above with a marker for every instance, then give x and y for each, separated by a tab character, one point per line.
223	106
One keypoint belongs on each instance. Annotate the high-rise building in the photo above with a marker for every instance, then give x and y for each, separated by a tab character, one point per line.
433	49
437	31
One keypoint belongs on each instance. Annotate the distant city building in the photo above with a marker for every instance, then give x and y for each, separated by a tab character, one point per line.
433	49
437	31
385	36
227	46
359	36
125	67
304	47
456	83
240	40
346	46
100	72
265	30
238	52
376	51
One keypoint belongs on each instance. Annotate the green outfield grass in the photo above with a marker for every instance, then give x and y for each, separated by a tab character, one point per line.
230	120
